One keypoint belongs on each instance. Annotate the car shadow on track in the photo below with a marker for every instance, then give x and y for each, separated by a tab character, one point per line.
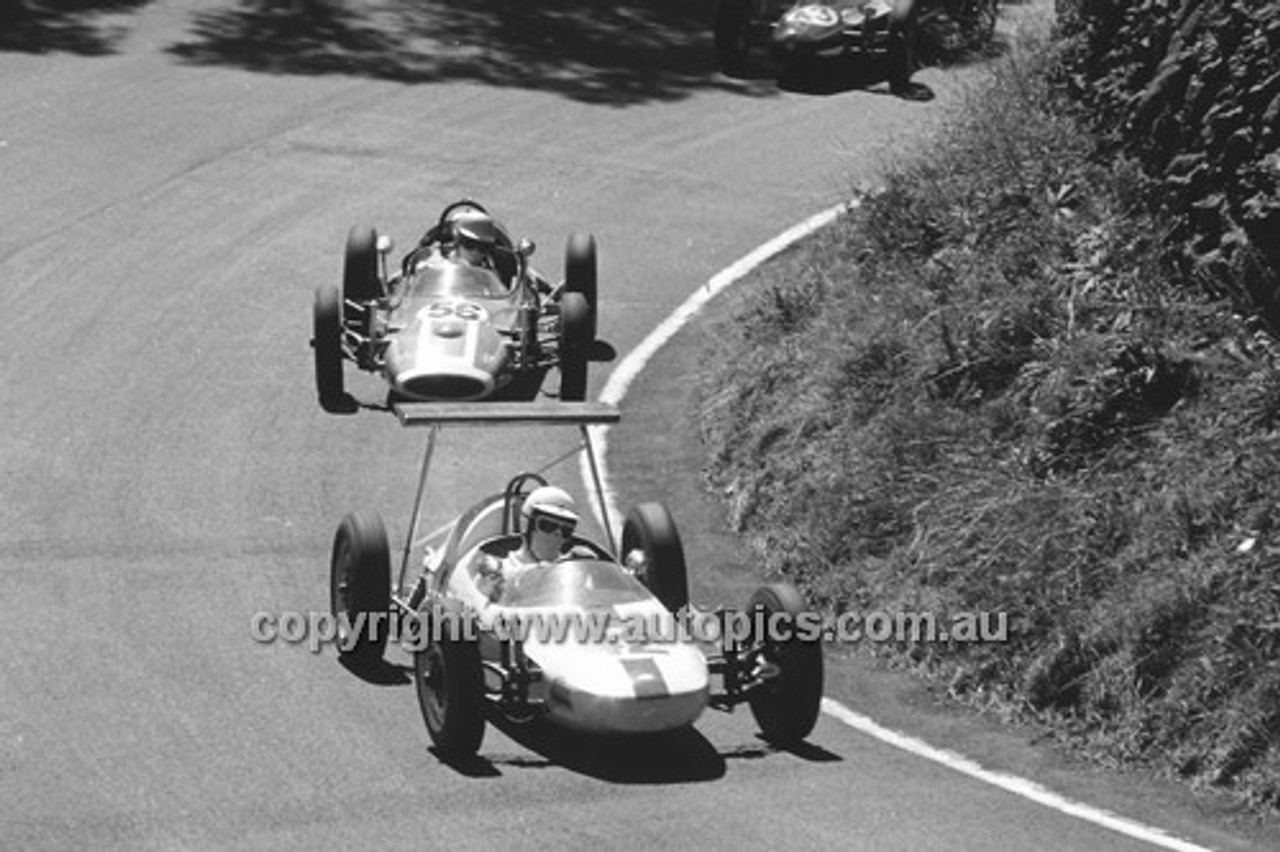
678	756
344	404
836	75
681	756
806	750
379	673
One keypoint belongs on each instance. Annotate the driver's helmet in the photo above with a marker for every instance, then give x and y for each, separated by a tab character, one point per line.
548	501
474	234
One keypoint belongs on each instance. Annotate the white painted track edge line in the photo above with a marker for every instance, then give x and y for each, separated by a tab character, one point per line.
619	381
1011	783
616	387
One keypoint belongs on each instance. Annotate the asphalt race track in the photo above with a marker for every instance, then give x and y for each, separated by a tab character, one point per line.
178	176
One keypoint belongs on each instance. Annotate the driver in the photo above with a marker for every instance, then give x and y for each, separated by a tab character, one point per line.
467	235
550	518
475	238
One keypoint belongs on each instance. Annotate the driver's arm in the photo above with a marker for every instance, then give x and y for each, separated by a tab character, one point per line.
489	576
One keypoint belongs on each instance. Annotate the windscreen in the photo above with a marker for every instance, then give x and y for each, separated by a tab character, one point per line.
586	583
454	279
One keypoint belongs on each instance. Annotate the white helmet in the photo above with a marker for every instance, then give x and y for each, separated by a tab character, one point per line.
552	501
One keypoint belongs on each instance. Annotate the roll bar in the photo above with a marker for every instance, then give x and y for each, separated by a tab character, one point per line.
437	415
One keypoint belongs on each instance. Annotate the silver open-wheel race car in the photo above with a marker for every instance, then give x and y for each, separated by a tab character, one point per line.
463	317
605	684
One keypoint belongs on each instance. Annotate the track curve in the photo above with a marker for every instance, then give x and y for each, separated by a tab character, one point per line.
177	182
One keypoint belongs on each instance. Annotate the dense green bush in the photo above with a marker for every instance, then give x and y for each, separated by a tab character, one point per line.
997	388
1191	88
952	30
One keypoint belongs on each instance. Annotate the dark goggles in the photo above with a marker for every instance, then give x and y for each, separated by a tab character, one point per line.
553	526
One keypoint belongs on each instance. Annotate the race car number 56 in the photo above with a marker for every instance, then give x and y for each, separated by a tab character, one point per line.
465	311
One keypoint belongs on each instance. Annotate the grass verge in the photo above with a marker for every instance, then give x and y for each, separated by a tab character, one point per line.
989	390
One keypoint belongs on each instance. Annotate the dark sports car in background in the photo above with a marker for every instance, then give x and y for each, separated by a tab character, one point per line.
794	31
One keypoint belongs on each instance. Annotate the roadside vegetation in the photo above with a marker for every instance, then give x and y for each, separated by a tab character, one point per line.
1037	375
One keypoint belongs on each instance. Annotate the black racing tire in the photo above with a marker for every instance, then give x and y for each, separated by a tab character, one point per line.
360	582
733	36
449	680
904	31
360	281
650	528
786	706
326	340
580	272
575	346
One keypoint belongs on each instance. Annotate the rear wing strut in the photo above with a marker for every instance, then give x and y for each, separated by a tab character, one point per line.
436	415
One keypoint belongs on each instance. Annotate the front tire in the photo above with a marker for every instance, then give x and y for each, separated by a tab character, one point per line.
327	342
650	529
786	704
733	36
360	587
360	282
903	37
450	685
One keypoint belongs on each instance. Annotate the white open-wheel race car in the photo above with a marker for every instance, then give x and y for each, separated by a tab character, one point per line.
463	317
471	666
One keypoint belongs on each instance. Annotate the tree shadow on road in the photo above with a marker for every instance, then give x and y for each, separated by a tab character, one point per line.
618	53
68	26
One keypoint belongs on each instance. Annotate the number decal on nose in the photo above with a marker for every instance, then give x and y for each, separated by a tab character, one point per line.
465	311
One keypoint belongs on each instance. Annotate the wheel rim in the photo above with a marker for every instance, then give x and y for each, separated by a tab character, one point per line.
431	688
772	686
340	603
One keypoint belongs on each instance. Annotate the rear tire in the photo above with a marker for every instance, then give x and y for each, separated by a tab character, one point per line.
903	36
360	281
786	706
650	528
575	346
580	272
360	583
733	36
450	684
327	342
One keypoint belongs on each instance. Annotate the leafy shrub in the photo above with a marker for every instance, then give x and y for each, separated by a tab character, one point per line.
997	387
